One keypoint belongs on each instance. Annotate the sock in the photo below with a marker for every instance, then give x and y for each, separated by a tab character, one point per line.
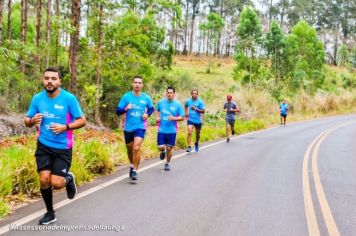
47	198
68	179
132	166
196	144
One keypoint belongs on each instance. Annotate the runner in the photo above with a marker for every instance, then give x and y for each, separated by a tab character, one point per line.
168	112
194	110
137	107
283	108
56	113
230	107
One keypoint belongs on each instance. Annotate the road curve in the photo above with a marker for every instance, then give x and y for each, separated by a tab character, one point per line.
257	184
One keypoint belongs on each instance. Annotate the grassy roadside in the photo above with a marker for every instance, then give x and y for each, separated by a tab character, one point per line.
99	153
95	153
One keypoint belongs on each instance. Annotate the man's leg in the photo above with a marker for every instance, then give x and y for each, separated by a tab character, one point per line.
169	157
189	138
281	119
197	136
129	148
46	189
137	152
228	131
47	196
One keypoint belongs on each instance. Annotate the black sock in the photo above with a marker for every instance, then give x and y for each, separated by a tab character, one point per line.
47	198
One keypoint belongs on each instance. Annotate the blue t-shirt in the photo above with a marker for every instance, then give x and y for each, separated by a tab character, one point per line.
133	116
194	116
62	109
284	108
168	108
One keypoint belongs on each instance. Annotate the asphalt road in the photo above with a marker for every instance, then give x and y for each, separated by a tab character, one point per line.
263	183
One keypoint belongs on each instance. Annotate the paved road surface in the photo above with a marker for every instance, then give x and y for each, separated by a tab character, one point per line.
263	183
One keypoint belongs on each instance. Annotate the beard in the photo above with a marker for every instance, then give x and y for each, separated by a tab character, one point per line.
51	90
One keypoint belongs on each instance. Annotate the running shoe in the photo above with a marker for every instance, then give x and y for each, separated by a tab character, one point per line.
130	173
70	186
134	175
167	167
196	147
162	155
228	140
48	218
189	149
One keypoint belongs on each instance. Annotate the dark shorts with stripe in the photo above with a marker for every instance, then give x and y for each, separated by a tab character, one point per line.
58	161
166	139
284	115
130	135
196	125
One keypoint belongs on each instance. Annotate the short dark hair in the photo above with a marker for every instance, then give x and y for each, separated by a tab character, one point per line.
171	87
194	90
137	77
53	69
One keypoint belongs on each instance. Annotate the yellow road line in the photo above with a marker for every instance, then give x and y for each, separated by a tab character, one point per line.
313	227
308	203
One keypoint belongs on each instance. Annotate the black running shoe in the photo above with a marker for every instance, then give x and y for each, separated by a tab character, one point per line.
70	186
130	173
162	155
189	149
48	218
233	132
228	140
134	175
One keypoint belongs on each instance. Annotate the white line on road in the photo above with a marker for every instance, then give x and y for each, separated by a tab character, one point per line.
65	202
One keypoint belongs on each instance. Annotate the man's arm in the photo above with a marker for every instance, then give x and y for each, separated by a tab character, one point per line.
35	120
78	123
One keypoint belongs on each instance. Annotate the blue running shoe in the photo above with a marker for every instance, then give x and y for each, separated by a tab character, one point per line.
162	155
196	147
134	175
167	167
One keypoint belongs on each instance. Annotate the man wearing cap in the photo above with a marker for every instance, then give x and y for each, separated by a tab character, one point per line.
230	107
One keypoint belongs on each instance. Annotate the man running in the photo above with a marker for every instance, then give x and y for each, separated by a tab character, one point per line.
283	108
168	112
230	107
56	113
137	107
194	110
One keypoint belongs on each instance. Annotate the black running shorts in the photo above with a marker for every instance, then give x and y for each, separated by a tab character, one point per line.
58	161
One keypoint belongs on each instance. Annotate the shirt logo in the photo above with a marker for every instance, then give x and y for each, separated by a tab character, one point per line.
143	101
64	171
58	107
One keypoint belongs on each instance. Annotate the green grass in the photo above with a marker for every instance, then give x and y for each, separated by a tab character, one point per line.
98	153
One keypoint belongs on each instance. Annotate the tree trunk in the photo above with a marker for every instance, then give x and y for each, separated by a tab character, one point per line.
48	31
73	46
23	31
336	42
98	67
217	52
8	33
38	26
185	51
282	13
192	25
56	47
1	10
